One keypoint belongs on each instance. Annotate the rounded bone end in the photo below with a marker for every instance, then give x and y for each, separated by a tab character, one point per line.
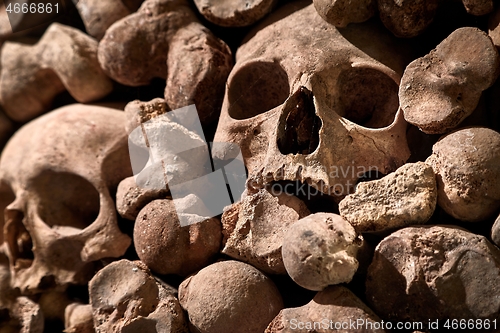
337	303
494	27
320	250
340	12
495	231
466	163
229	13
229	296
167	247
478	7
78	318
407	19
441	89
98	16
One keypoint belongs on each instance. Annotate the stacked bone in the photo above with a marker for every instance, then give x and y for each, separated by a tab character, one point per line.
373	160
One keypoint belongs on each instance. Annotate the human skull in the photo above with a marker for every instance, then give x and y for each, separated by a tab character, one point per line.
59	170
307	101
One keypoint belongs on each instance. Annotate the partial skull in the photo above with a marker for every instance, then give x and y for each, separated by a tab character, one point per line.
60	171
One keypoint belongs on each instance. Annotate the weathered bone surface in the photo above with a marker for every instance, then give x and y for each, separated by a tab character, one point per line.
411	18
78	318
478	7
336	304
341	12
125	297
230	13
53	304
131	198
98	16
63	59
63	217
432	272
467	165
25	316
229	296
169	166
495	231
320	250
442	88
407	196
5	27
148	127
254	229
301	104
166	247
494	27
139	112
164	39
314	99
17	314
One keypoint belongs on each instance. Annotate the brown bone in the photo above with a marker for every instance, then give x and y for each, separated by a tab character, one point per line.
164	39
442	88
63	59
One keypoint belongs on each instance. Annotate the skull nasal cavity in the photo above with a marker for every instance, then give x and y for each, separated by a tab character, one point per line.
299	131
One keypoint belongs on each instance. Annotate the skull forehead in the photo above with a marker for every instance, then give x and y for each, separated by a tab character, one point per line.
75	139
303	43
299	40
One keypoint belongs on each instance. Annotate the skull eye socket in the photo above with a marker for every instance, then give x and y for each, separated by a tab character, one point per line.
66	200
256	88
368	97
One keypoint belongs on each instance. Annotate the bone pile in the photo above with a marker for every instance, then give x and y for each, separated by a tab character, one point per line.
369	131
